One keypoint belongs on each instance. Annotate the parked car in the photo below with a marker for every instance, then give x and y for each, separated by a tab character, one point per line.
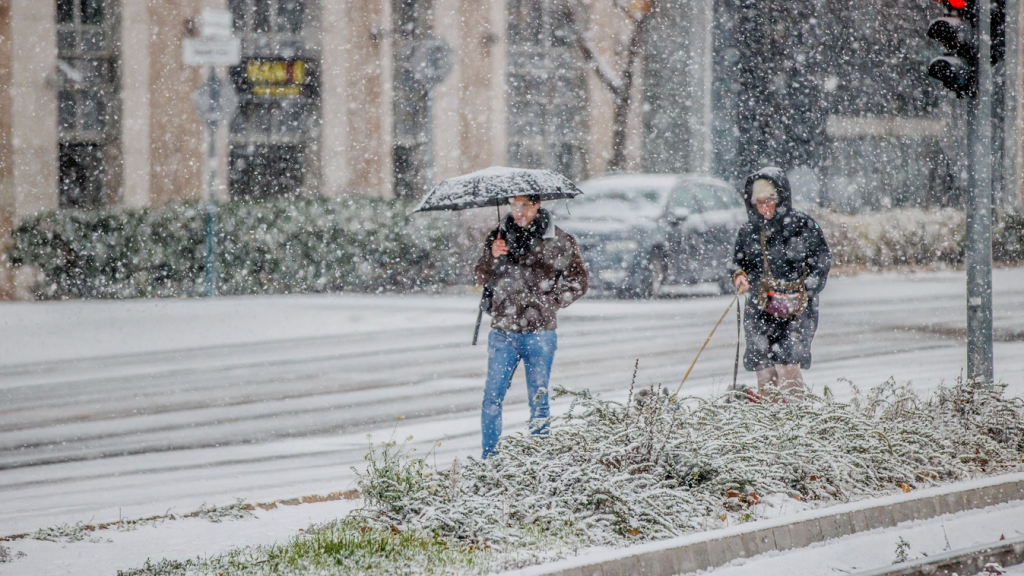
639	233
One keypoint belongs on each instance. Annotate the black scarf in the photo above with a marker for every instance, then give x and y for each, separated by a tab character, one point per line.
520	240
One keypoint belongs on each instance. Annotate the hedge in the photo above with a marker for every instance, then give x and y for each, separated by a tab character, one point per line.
915	237
357	243
293	244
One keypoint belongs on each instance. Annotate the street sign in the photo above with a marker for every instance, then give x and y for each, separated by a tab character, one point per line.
216	100
211	51
214	23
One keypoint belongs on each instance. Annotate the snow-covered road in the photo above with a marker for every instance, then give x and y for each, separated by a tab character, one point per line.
132	408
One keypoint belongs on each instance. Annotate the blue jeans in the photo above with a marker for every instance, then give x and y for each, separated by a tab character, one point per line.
504	351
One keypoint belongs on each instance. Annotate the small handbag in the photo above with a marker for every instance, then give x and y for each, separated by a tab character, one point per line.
785	300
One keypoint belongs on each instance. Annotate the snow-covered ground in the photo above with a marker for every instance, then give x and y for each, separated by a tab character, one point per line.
107	551
128	409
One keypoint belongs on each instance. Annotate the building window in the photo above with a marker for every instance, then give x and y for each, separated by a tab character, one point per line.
266	170
268	16
87	99
547	88
92	12
274	134
82	172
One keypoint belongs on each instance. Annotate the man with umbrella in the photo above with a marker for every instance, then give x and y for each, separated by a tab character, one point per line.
530	269
534	269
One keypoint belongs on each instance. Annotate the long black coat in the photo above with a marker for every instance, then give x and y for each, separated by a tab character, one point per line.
796	248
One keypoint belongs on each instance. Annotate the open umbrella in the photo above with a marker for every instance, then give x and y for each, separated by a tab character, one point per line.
493	187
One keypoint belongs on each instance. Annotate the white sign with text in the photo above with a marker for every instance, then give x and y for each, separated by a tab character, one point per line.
211	52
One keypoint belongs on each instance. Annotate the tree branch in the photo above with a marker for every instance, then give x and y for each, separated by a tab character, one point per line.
610	79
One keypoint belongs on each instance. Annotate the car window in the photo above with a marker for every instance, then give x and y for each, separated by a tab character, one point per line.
684	197
617	200
709	198
732	198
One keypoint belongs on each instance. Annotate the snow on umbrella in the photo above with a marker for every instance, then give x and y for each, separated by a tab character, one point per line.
494	186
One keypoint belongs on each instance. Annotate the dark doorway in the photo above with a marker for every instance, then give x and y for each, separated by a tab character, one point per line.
266	170
81	175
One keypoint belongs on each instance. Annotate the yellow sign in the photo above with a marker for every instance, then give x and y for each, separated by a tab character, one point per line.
277	91
276	77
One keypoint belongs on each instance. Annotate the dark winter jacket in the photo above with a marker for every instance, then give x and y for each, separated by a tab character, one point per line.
528	294
796	245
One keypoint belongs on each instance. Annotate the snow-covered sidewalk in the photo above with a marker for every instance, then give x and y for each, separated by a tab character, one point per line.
879	548
107	551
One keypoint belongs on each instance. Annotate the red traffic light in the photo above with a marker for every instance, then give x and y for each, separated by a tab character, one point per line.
955	4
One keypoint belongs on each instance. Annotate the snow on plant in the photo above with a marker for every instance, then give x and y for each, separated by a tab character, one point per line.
347	546
613	474
904	237
902	549
286	245
915	237
76	532
239	510
7	556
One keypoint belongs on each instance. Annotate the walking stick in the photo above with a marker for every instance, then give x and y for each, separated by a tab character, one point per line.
736	365
703	346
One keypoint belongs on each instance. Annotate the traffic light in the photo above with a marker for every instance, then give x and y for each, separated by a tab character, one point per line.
957	32
958	68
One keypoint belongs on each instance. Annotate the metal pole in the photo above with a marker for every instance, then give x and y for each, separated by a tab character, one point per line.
211	207
211	214
1011	92
979	212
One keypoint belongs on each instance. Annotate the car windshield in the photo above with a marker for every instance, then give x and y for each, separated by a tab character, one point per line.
616	200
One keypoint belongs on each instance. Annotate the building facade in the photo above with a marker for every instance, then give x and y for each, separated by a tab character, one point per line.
377	97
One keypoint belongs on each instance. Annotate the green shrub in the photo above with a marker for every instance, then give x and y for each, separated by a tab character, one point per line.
294	244
347	546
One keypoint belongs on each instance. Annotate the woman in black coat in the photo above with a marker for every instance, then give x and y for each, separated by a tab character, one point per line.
798	259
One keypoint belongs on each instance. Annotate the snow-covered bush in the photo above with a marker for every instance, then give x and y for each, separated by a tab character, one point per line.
613	474
293	244
903	237
1008	236
915	237
316	244
617	474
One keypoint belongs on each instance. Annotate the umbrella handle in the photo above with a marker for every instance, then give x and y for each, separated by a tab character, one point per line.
480	314
479	318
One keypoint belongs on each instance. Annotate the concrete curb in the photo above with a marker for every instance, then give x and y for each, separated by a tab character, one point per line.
963	561
719	547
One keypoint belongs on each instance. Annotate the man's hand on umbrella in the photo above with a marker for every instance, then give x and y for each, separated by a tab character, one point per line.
499	248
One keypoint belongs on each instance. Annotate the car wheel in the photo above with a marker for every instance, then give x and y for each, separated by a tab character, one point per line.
654	276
